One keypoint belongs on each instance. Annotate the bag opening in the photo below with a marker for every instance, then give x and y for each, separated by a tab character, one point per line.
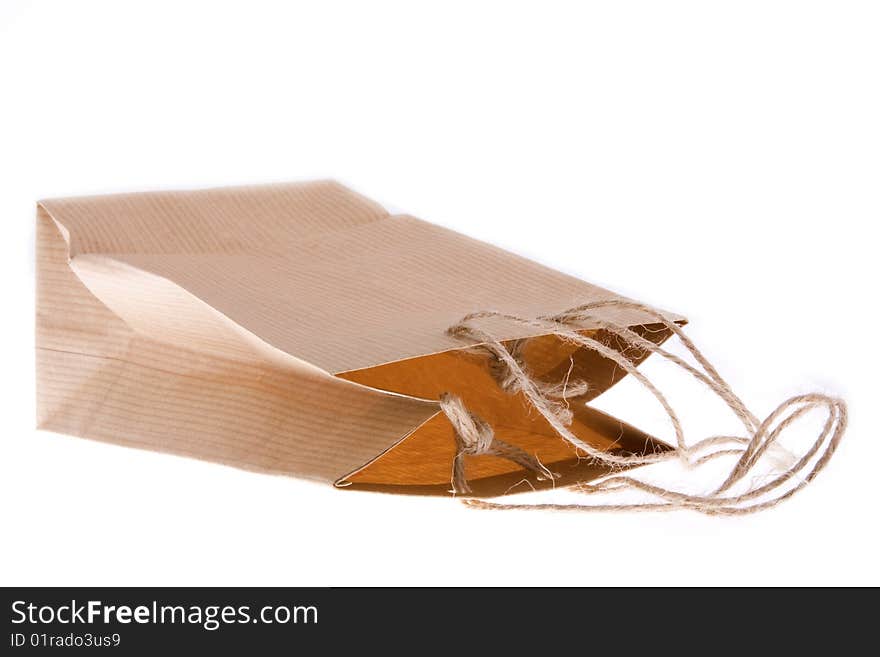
421	462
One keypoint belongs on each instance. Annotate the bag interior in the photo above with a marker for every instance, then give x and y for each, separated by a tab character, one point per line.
421	462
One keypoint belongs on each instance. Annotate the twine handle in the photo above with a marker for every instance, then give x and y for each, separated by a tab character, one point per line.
474	436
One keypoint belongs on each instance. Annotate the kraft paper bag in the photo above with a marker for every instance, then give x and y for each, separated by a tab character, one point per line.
301	329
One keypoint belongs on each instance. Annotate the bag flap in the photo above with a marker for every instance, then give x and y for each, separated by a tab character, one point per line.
311	269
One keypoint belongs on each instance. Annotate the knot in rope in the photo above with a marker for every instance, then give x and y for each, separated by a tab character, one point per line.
474	437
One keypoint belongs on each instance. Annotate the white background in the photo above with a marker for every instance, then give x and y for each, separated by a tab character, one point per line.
717	159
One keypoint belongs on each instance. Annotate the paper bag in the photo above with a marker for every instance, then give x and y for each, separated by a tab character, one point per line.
300	329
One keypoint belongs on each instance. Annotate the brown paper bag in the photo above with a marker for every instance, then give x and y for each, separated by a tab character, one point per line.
300	329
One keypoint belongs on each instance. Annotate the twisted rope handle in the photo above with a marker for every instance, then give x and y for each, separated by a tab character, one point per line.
761	436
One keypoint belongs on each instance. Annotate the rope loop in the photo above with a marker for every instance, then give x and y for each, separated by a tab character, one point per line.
760	439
